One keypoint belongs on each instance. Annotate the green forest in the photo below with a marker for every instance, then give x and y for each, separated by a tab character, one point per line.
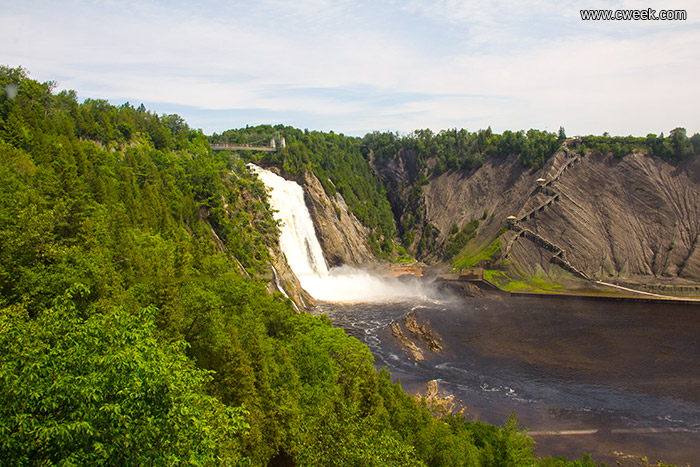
463	150
136	327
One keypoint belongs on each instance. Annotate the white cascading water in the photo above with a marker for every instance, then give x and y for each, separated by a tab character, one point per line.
300	245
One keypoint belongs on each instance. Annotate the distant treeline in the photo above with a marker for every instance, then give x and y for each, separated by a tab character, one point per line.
675	146
463	150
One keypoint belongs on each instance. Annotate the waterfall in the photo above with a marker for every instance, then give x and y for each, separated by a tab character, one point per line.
304	254
298	239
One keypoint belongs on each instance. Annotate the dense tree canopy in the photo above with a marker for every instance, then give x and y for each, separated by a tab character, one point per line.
82	391
135	324
463	150
676	146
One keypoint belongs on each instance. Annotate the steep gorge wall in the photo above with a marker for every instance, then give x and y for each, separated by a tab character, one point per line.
635	218
499	188
342	237
631	217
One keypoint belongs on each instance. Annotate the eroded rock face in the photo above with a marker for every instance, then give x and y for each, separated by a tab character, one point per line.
636	218
639	216
285	281
499	187
342	237
416	338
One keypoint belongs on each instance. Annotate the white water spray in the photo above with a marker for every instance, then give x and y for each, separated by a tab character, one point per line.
300	245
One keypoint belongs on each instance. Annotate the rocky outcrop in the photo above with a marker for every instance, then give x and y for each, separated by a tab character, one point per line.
411	350
423	332
438	402
284	280
417	339
342	237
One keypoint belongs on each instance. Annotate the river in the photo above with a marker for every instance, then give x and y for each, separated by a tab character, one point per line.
607	376
604	375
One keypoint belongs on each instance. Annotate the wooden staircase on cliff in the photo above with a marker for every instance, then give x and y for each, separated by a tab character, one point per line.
546	188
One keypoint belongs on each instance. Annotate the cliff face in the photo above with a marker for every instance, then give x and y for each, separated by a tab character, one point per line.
397	175
499	188
285	281
637	217
342	237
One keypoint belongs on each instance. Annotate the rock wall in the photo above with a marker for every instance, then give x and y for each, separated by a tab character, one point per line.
637	217
342	237
499	188
631	217
284	280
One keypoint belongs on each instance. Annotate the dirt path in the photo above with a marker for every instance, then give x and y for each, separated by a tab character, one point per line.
667	297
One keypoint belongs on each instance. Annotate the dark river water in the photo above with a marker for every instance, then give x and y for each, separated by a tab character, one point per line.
608	376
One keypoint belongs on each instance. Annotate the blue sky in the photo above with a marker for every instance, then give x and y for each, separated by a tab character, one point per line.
355	66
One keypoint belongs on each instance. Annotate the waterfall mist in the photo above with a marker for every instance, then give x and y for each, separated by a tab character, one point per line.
349	284
300	245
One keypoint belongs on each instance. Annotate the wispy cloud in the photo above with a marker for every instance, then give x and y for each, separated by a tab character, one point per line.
355	66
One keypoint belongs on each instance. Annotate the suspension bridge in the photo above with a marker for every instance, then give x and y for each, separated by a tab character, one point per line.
250	147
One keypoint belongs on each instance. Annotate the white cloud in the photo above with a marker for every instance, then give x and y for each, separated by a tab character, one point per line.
359	66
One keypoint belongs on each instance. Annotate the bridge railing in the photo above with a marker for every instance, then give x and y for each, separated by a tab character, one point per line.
242	147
